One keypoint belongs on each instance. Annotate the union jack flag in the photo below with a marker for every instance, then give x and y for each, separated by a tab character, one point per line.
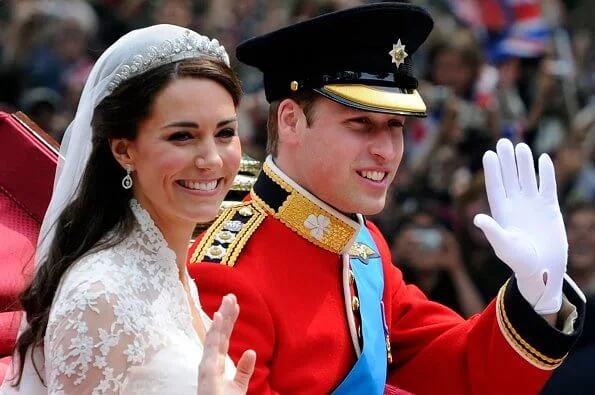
514	27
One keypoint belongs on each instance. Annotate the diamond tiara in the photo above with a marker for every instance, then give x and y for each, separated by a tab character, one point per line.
187	46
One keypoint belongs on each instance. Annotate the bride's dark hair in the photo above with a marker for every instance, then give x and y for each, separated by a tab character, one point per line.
102	204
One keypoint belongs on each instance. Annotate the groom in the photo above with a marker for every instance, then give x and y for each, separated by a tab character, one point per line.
322	304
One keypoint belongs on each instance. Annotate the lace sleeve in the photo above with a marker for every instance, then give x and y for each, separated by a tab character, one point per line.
93	339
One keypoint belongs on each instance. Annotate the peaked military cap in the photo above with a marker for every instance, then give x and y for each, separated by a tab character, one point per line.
359	57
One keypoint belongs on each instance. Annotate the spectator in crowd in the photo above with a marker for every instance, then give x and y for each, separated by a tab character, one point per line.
486	270
575	173
575	376
429	256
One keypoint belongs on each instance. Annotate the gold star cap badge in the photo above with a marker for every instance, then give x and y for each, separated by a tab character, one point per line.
398	53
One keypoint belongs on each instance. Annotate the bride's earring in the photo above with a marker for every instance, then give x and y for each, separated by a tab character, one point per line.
127	180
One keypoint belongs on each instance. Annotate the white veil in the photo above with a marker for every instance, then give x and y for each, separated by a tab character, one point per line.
133	54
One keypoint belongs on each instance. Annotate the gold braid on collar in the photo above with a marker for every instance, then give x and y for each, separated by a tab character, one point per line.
302	212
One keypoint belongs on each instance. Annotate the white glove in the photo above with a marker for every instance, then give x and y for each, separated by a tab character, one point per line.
526	229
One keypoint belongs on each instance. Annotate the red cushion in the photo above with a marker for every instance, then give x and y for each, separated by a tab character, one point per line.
4	364
18	236
28	161
27	166
9	328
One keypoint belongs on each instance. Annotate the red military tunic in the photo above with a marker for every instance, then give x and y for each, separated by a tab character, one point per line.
283	260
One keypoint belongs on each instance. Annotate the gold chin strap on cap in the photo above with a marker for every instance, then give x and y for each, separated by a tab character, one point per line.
377	98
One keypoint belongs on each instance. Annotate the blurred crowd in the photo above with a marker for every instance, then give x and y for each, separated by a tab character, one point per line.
520	69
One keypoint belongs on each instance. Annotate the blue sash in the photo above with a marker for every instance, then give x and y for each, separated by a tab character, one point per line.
368	375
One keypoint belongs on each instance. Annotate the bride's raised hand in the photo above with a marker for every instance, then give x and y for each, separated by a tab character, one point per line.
211	377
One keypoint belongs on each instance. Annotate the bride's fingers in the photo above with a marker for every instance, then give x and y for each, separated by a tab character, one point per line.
245	369
229	311
216	342
209	362
227	307
230	314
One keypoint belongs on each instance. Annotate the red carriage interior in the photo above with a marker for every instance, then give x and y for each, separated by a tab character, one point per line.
28	159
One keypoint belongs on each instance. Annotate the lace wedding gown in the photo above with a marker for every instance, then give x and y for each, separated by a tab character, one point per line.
120	323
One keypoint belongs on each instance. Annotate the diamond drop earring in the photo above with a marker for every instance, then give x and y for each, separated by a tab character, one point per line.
127	180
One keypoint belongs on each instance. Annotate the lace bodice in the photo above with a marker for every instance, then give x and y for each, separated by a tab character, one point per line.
121	322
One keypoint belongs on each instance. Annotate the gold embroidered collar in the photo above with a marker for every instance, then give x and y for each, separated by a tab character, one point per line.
303	212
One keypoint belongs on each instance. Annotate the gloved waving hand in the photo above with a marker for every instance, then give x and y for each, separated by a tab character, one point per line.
526	229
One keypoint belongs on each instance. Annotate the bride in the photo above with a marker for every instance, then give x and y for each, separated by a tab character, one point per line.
152	150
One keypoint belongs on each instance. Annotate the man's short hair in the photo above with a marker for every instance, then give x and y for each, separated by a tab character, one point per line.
307	101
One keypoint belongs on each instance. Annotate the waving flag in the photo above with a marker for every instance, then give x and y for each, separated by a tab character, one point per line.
528	32
511	28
